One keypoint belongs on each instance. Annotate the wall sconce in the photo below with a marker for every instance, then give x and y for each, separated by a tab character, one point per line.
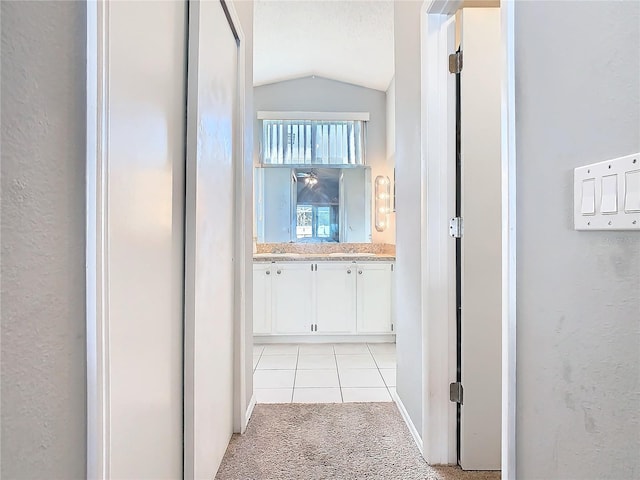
382	202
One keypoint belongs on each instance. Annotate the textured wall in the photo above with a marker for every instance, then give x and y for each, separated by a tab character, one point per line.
578	310
316	94
43	286
409	215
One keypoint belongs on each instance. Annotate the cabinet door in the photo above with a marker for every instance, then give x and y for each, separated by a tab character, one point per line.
336	297
293	307
262	273
374	297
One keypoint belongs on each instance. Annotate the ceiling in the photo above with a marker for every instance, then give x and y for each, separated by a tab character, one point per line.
346	40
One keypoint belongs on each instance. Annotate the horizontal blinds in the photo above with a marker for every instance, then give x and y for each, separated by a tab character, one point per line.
312	142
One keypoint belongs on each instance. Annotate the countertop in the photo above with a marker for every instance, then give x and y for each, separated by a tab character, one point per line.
321	257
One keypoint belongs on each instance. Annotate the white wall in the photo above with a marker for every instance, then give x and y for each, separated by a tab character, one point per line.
146	158
317	94
42	264
409	215
391	143
578	293
391	119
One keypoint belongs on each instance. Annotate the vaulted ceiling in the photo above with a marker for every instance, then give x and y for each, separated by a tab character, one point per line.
346	40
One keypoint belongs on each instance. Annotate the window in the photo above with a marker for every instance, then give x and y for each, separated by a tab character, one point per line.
317	222
313	142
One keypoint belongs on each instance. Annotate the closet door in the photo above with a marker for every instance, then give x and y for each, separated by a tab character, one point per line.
209	275
145	135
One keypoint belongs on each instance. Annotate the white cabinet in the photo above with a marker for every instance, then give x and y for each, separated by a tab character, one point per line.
335	297
331	298
374	298
262	273
293	306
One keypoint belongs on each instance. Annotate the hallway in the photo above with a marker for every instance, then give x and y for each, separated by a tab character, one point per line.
331	441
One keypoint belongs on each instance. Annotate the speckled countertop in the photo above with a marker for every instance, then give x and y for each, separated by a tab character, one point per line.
319	252
322	257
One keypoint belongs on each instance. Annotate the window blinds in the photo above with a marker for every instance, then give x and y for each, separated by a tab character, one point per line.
313	142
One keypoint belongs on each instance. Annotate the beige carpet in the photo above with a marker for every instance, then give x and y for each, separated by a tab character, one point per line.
331	441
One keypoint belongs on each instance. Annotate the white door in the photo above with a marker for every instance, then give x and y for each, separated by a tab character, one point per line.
145	227
335	297
374	297
481	240
262	273
293	305
209	272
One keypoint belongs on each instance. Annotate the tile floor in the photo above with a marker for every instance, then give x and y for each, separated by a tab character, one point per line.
324	373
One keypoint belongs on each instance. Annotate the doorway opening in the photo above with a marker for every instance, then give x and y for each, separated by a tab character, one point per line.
470	162
324	226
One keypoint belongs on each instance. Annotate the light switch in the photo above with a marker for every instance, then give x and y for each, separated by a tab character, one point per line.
606	195
609	202
588	204
632	192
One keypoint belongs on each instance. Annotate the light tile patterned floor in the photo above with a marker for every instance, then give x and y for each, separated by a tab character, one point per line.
324	373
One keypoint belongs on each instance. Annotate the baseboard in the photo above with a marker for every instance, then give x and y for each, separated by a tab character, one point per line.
250	408
407	420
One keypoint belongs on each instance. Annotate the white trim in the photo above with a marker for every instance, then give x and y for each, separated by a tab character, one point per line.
249	411
97	273
188	393
242	320
438	262
327	116
508	243
407	419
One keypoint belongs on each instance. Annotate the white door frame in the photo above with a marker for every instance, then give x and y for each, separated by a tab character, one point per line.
439	320
243	240
97	235
97	275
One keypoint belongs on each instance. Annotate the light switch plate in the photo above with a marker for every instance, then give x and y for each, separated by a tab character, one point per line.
612	176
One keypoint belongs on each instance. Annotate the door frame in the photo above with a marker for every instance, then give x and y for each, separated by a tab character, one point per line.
439	318
97	244
97	235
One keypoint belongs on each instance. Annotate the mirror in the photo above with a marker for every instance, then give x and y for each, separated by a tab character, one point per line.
313	204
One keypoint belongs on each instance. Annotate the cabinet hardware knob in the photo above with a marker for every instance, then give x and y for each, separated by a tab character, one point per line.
360	272
268	272
348	271
279	272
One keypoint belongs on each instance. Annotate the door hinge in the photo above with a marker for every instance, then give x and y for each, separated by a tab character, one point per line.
455	227
455	392
455	62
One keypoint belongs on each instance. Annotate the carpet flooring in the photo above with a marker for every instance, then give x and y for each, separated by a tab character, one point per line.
331	441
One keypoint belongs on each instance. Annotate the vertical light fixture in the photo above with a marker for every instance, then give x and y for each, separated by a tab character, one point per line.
382	202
